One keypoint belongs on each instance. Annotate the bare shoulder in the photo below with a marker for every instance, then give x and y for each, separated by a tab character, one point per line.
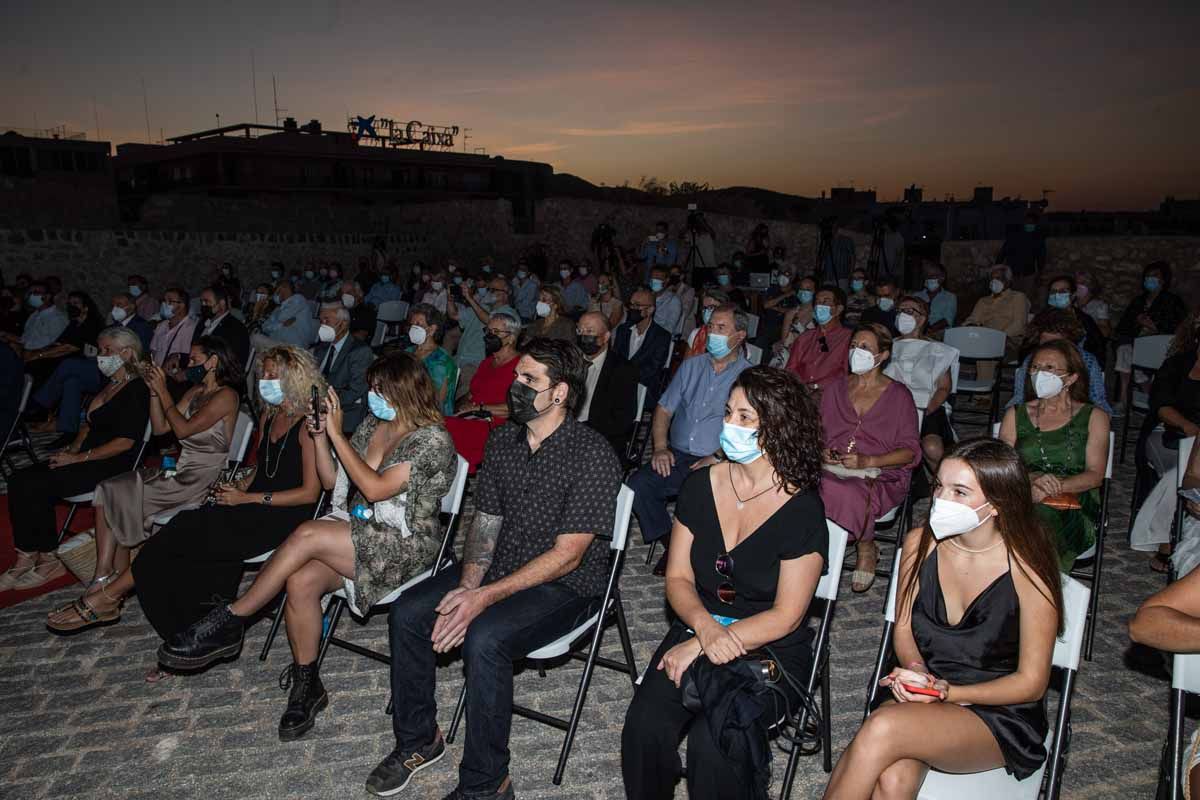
1030	586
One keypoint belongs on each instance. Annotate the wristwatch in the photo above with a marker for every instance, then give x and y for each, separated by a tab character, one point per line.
267	499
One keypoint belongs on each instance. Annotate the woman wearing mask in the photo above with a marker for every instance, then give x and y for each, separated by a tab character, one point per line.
1060	298
724	276
923	365
260	307
200	553
1063	440
85	323
608	300
756	515
552	319
388	480
485	406
426	329
797	319
859	299
1156	311
978	633
126	505
871	446
106	445
1088	299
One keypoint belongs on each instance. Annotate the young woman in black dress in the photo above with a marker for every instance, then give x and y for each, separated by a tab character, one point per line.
978	608
747	550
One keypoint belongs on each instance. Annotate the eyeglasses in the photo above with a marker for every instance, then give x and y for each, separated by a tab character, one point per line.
724	566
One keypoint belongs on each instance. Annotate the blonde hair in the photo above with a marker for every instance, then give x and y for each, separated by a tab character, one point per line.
298	373
124	338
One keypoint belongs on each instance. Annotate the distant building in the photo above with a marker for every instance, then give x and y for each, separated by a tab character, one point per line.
55	181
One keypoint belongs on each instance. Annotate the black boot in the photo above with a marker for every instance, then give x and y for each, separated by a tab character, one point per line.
216	636
305	700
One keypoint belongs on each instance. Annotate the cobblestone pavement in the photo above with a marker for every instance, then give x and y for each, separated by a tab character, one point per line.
76	717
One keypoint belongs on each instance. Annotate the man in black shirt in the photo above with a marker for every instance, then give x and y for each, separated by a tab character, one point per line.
531	570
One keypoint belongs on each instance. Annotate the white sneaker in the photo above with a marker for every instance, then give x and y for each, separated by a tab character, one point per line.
25	562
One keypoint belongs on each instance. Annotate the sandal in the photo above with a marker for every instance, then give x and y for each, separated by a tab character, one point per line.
86	616
862	580
1160	563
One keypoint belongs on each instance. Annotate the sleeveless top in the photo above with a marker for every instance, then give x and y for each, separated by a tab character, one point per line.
280	465
983	646
203	450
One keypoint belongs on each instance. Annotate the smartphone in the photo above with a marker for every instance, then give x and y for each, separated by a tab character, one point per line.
925	690
316	404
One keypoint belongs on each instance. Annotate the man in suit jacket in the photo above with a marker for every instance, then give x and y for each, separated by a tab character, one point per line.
343	360
644	342
611	383
124	313
215	320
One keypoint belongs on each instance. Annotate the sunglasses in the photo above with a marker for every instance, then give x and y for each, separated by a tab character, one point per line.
724	566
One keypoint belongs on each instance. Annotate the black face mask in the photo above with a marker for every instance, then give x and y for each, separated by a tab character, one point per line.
521	397
206	312
589	344
491	343
74	312
674	280
634	315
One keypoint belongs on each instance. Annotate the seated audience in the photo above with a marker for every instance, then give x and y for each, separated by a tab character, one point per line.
343	361
330	280
923	365
215	320
259	306
146	303
426	330
858	300
819	355
384	290
869	423
490	298
796	320
200	552
608	300
1005	309
126	505
667	307
1089	299
757	516
531	562
1156	311
777	302
436	291
612	384
687	422
1063	440
883	312
291	322
687	299
398	465
106	445
526	288
85	325
644	342
226	279
980	633
552	320
173	335
1055	325
1174	399
724	277
1060	297
698	339
45	322
124	313
943	305
575	294
485	406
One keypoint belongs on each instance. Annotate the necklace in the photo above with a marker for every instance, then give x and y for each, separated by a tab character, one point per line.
1037	426
278	455
740	502
965	549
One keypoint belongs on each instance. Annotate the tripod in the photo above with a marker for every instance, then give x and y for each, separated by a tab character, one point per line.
876	253
695	263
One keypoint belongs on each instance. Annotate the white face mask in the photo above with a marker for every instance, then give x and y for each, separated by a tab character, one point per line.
583	271
543	309
950	518
416	334
436	286
565	273
1046	384
997	286
326	333
118	314
348	300
861	361
109	365
906	323
784	280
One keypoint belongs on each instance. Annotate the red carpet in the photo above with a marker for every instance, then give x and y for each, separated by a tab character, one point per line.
84	519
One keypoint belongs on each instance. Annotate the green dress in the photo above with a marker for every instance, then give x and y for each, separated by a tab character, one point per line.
444	371
1062	452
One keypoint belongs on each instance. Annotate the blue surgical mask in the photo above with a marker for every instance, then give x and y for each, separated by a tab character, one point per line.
379	407
932	284
1030	227
805	296
656	285
723	280
822	314
740	444
1059	300
35	300
165	310
271	390
275	298
706	314
857	285
717	345
886	303
1150	284
385	278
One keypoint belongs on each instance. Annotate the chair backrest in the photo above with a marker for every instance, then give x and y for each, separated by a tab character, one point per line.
670	352
751	326
754	354
250	359
1150	351
1112	443
641	404
25	392
452	500
827	587
976	342
145	442
1069	646
1185	672
621	520
243	430
380	332
392	311
996	430
889	608
954	369
1182	457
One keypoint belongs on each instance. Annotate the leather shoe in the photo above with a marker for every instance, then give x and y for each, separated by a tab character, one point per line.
216	636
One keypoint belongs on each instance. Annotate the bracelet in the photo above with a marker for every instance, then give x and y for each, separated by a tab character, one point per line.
88	455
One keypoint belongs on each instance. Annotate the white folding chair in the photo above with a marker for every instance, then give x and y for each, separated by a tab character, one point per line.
1185	680
1149	352
1182	457
751	326
564	645
997	784
1090	572
380	332
250	360
975	345
18	427
392	313
76	501
243	432
827	594
340	600
754	354
637	423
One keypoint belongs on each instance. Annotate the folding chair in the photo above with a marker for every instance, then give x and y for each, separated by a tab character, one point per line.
1185	680
751	326
250	360
827	594
885	641
975	345
86	497
1182	456
392	313
243	432
451	504
18	427
1095	554
380	332
1149	352
754	354
997	784
611	603
631	445
662	387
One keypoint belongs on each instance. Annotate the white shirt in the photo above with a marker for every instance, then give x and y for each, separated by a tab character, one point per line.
212	324
636	338
593	375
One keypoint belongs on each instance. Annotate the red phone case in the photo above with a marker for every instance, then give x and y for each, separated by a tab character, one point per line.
925	690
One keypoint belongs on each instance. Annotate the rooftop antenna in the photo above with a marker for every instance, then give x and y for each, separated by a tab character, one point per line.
146	108
275	92
465	136
254	86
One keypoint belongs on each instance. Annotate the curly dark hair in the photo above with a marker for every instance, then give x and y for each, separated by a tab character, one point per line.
789	425
564	363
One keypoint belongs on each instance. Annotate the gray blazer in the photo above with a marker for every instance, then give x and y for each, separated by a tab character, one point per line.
348	375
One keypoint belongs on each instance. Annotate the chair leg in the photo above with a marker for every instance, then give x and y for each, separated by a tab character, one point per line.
458	713
27	440
337	606
826	722
650	552
1126	420
626	643
1176	744
880	660
585	681
67	522
274	628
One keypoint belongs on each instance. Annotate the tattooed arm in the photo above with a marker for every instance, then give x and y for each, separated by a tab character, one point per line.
480	546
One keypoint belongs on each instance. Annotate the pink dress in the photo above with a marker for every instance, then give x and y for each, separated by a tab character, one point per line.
890	424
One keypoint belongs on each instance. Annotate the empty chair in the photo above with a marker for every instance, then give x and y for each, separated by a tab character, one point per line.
754	354
975	345
18	433
751	326
1149	352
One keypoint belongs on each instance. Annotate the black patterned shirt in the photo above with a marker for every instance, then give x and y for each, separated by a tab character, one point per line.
569	485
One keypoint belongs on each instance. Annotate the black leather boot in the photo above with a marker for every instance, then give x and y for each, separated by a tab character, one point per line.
306	699
217	635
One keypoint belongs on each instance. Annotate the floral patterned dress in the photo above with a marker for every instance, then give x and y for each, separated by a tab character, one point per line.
403	535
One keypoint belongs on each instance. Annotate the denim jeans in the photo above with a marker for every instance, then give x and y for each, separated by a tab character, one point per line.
651	492
72	379
500	635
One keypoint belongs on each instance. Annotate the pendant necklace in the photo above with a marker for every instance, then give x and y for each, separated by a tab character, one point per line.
740	502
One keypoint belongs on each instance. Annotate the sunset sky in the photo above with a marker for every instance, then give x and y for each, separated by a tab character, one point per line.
1099	102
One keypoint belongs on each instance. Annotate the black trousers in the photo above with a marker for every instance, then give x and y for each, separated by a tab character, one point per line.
33	492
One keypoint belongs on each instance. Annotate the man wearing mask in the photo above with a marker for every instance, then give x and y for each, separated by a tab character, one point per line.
644	342
884	310
343	361
291	322
1003	309
308	284
124	313
532	562
612	384
1024	250
147	304
362	315
45	322
215	320
659	250
667	308
687	422
385	290
820	355
491	297
943	304
574	290
525	292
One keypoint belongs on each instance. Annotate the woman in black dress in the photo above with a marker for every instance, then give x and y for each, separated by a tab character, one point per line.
199	554
747	551
106	445
978	608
